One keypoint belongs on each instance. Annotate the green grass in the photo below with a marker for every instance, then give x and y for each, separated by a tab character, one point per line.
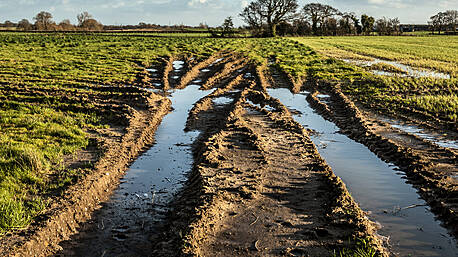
432	52
363	248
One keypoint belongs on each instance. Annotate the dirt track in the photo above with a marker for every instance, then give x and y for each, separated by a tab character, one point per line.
258	185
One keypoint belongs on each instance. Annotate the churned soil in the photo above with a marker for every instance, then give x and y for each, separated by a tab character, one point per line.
258	186
429	167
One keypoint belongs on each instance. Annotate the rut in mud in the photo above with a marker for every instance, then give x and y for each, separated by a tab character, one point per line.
232	172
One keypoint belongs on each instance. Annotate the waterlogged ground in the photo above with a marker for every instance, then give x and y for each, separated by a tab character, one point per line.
380	188
259	184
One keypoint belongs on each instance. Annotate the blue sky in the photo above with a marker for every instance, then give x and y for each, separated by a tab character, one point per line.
212	12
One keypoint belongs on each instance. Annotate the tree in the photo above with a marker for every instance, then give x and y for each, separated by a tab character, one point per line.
66	25
451	19
83	17
24	24
91	24
438	21
228	27
318	14
43	21
367	24
269	12
252	15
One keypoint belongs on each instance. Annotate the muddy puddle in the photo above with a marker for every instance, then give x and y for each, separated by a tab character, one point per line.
434	137
135	210
409	71
380	188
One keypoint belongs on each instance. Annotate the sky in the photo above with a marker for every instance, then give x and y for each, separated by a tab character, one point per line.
211	12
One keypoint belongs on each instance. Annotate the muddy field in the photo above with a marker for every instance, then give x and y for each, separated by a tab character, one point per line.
234	172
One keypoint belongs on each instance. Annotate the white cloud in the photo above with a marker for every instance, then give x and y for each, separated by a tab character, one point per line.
195	2
244	3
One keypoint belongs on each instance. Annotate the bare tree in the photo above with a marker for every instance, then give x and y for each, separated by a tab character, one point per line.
269	12
43	21
24	24
252	15
318	14
66	25
82	17
91	24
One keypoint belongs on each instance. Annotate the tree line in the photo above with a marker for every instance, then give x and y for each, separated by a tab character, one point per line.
43	21
284	17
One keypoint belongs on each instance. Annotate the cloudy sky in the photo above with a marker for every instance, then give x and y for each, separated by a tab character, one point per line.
212	12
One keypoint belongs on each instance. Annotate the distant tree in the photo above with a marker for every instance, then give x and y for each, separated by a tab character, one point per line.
394	25
269	12
451	18
9	24
66	25
43	21
252	15
318	14
83	17
24	24
438	21
367	23
92	25
358	27
228	27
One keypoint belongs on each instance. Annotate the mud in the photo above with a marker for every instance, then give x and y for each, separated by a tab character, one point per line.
248	195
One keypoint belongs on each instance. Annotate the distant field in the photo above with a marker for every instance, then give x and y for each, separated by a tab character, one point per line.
439	53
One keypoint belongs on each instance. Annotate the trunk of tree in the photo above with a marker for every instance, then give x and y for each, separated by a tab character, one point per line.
273	30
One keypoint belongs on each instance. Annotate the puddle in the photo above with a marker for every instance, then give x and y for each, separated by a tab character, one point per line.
324	98
205	70
378	187
147	187
435	138
410	71
216	61
222	100
178	65
248	75
197	81
151	70
266	107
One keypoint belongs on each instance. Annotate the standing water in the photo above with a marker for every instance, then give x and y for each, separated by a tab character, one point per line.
128	219
380	188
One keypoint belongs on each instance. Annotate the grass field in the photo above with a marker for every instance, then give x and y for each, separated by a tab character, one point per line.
432	52
38	128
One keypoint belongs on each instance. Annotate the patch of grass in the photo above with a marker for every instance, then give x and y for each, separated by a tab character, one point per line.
363	248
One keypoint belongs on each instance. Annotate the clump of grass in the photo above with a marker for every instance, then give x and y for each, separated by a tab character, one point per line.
363	248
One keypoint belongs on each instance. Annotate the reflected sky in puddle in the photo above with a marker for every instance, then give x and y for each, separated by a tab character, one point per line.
412	72
377	186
